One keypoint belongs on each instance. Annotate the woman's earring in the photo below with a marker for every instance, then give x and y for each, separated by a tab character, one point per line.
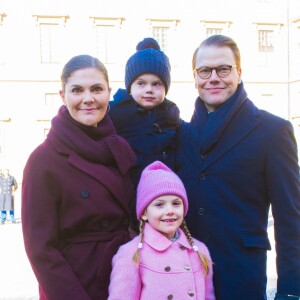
108	108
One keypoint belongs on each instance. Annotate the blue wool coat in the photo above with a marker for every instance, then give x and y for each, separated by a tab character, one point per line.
251	165
150	132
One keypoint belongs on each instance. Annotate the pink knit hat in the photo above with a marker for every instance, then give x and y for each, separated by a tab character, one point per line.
156	180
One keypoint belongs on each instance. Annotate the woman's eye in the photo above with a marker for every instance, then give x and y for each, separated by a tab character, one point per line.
76	90
97	89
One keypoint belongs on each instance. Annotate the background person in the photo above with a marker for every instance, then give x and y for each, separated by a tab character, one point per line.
8	185
141	113
76	196
164	262
236	162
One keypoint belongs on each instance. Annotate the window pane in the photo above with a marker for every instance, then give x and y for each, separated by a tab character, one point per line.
213	31
106	37
49	43
161	35
265	40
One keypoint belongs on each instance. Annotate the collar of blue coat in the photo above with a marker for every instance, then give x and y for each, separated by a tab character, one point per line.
159	242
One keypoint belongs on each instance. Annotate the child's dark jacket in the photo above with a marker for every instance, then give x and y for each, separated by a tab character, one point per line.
150	132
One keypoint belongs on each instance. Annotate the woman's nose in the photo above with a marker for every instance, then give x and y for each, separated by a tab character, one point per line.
87	97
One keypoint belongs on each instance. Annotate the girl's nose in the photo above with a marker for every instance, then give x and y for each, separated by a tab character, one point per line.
170	210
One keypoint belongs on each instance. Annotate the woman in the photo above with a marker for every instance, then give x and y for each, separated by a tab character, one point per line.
76	196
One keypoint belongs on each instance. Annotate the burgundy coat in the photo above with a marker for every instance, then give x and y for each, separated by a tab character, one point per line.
75	215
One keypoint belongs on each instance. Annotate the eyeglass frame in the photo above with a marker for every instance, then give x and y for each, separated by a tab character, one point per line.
216	69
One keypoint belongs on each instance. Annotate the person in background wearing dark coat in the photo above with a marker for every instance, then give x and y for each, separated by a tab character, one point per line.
141	113
77	197
8	185
236	162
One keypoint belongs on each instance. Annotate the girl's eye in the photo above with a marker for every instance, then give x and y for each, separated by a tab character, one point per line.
177	203
158	204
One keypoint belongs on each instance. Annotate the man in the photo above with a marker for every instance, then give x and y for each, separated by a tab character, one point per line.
236	162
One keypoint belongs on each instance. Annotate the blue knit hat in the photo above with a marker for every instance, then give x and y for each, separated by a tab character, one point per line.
148	59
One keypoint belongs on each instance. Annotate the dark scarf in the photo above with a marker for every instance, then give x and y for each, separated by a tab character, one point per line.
98	144
208	128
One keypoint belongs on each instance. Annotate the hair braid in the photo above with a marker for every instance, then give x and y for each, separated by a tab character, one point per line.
204	259
136	255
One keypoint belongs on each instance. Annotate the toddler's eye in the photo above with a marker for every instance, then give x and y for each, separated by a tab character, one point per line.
158	83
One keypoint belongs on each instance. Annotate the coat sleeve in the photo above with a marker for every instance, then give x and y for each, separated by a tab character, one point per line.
283	187
40	203
125	281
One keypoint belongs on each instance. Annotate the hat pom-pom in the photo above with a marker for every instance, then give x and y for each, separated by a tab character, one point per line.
147	43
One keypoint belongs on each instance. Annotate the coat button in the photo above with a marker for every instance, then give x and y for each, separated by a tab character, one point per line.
170	297
85	193
187	267
167	268
191	293
201	211
126	222
202	176
182	247
104	223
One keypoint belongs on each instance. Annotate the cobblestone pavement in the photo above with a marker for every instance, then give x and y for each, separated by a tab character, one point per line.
17	281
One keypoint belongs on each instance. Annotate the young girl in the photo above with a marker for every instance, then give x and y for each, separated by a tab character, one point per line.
164	261
141	113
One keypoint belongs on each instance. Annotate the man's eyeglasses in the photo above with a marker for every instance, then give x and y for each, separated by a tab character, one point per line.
222	71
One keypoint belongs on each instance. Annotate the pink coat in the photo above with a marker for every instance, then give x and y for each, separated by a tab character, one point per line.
167	270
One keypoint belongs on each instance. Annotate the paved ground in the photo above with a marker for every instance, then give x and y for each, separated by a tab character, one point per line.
17	281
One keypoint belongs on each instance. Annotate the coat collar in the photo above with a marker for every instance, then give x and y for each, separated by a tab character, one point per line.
99	172
244	121
159	242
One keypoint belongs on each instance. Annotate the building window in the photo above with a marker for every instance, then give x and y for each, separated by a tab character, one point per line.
265	40
213	31
51	38
3	43
215	27
161	30
107	37
52	100
161	35
46	131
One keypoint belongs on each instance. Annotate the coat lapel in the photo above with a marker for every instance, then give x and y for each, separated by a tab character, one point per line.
245	121
104	175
